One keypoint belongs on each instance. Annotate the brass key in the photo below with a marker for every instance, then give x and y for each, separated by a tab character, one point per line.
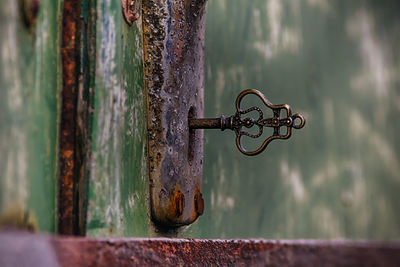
237	123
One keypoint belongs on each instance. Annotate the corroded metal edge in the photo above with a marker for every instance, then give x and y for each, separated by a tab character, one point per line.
173	45
71	251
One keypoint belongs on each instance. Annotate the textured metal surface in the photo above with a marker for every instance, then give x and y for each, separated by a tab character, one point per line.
45	251
184	252
236	123
173	53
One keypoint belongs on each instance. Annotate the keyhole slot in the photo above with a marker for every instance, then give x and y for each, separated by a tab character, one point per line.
192	134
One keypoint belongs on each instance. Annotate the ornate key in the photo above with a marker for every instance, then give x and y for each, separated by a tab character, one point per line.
237	123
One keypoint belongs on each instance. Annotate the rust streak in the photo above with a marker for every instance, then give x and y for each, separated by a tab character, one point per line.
178	203
67	141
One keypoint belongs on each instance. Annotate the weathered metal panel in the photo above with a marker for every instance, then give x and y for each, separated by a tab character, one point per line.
173	33
118	177
29	112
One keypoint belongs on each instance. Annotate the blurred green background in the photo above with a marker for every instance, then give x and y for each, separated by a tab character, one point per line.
337	63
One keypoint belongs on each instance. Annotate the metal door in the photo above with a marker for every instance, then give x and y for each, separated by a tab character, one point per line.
74	130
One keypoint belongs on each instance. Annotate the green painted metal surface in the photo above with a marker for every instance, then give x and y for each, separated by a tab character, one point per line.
29	111
118	179
336	62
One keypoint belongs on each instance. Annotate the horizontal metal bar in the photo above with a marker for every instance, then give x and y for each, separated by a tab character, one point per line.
69	251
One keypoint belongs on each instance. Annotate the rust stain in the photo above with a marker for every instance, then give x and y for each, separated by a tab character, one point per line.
178	203
67	142
29	10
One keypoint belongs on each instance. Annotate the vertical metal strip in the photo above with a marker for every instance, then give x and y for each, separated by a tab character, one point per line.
173	44
67	142
78	67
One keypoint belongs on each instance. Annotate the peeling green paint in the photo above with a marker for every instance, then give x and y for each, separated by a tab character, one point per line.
118	182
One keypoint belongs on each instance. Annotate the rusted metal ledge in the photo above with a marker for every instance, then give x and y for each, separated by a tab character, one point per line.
70	251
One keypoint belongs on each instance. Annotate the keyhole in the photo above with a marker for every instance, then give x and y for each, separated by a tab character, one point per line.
192	134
